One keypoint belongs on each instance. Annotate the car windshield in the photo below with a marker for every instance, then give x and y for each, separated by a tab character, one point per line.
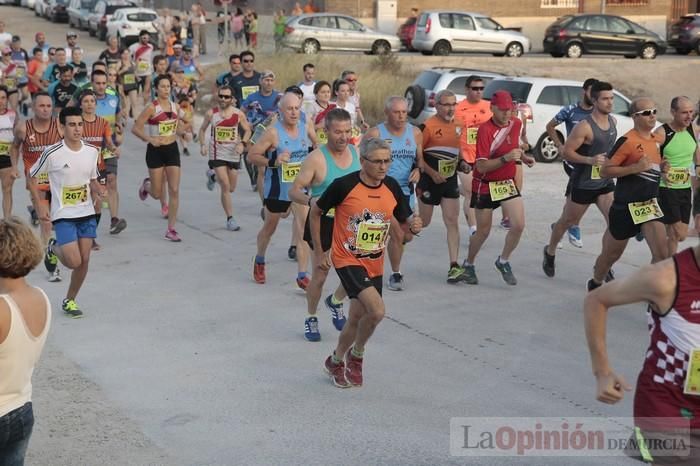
488	23
563	20
518	89
423	20
141	17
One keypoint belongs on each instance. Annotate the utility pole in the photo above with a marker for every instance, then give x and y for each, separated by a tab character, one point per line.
602	6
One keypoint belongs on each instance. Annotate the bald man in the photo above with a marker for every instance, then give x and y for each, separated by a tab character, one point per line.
635	161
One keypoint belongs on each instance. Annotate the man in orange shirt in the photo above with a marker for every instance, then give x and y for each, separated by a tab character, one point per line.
438	181
635	161
35	69
470	114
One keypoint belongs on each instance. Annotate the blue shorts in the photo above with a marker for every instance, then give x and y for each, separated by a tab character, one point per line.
68	231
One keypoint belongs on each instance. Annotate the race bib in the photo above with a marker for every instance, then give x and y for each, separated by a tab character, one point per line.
21	72
290	170
371	237
5	148
595	172
248	90
142	67
331	212
692	376
678	176
129	79
645	211
167	128
447	168
226	134
74	195
107	154
10	82
356	133
322	136
471	135
501	190
43	178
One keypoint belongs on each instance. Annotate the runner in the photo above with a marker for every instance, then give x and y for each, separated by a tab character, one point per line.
366	202
471	113
438	184
20	58
193	72
351	78
8	159
324	165
52	73
493	186
129	87
281	150
680	149
571	115
245	84
225	147
341	92
33	137
226	78
321	106
71	166
35	69
112	55
12	77
406	155
142	55
588	147
667	386
80	69
62	91
162	153
635	162
307	86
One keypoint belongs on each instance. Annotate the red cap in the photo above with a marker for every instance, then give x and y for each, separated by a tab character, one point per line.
502	100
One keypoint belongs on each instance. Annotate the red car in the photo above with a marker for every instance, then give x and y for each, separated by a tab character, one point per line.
406	32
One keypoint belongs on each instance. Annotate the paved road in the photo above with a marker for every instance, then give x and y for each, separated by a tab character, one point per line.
183	359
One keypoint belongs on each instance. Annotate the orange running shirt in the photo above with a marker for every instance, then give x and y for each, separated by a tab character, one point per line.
34	145
471	116
96	133
362	217
638	187
441	143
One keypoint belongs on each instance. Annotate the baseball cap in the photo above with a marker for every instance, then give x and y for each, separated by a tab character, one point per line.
71	34
177	45
502	100
187	49
267	74
16	39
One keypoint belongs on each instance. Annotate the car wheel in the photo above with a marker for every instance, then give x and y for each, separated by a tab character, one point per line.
381	47
556	54
682	51
514	49
415	95
574	50
648	52
442	48
545	150
310	46
631	56
426	52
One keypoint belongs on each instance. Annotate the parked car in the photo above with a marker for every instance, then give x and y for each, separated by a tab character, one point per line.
101	13
444	32
539	99
574	35
684	34
406	32
56	11
127	23
78	11
421	93
28	4
39	7
311	33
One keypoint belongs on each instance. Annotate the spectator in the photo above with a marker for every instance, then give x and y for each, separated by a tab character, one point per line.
112	54
25	319
253	28
280	22
198	21
40	39
237	28
170	44
165	22
297	10
246	26
309	7
5	37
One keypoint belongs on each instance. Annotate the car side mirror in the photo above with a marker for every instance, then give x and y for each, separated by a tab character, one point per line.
499	27
363	29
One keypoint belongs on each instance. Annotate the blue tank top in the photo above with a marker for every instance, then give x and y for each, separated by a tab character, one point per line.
108	108
190	70
403	155
333	171
279	179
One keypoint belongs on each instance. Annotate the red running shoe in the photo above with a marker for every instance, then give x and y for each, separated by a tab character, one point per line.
259	273
304	282
336	373
353	369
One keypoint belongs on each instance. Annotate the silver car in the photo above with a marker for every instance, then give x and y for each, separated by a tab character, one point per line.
442	32
311	33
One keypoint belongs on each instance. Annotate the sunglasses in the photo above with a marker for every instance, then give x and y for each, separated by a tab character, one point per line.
378	161
248	61
646	113
477	89
225	97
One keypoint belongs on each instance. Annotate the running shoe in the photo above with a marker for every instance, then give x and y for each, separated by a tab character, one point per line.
337	313
50	259
145	187
472	230
469	274
639	237
55	276
547	263
186	151
353	369
303	283
95	245
455	274
506	272
395	282
71	309
231	225
336	373
560	244
211	179
505	223
117	226
292	253
311	332
610	276
171	235
592	285
164	210
574	233
33	216
258	272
